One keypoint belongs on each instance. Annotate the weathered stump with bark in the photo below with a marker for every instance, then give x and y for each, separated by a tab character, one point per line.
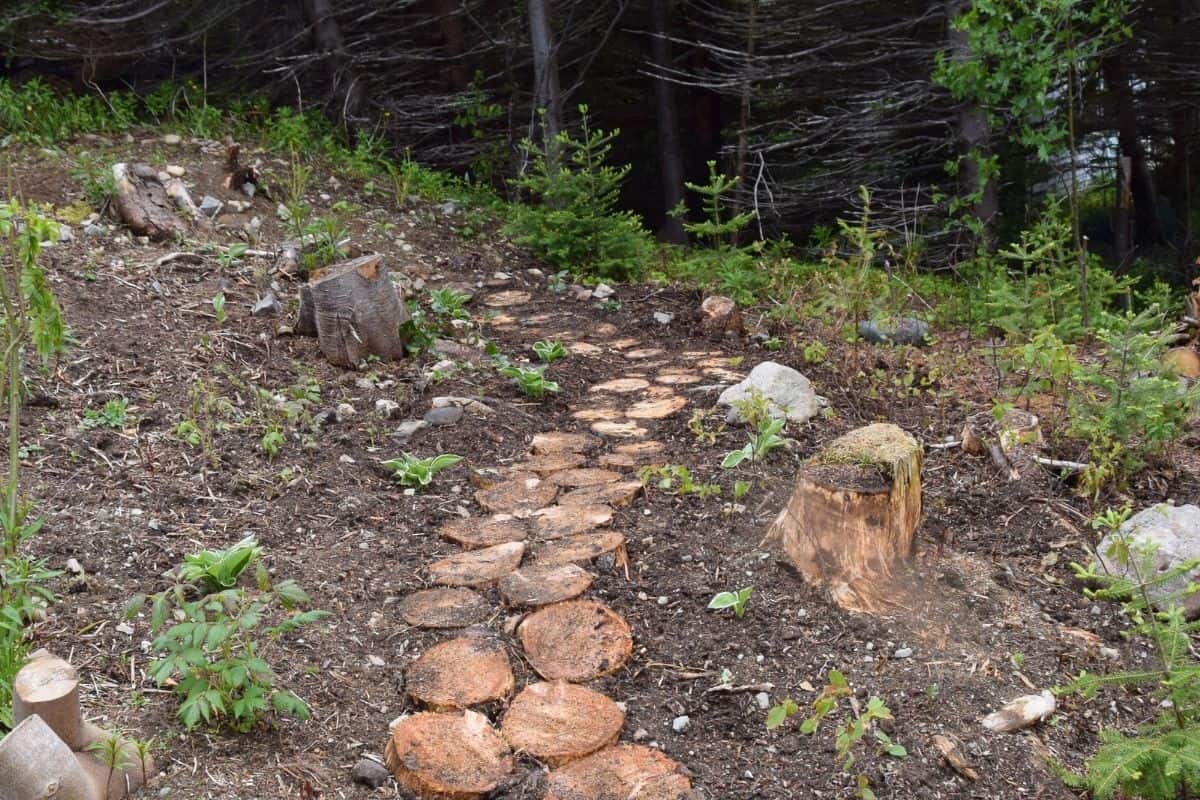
354	310
147	206
853	514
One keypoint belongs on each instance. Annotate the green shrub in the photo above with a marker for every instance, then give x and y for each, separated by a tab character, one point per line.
419	472
574	222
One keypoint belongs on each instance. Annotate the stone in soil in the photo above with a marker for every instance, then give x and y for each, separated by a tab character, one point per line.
555	522
517	495
512	297
1173	533
454	755
474	532
478	567
370	772
446	607
789	394
576	478
617	495
460	673
210	206
577	640
904	330
617	773
579	549
540	585
560	442
557	722
444	416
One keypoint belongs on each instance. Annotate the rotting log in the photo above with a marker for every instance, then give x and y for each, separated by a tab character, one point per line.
853	514
141	202
357	311
35	763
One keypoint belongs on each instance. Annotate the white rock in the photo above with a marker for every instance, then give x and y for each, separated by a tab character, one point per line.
1025	711
175	171
603	291
763	699
1173	534
681	723
386	408
663	317
345	411
172	139
789	393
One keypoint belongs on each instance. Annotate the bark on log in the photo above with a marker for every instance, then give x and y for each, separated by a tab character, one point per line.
35	763
357	311
853	514
141	202
49	687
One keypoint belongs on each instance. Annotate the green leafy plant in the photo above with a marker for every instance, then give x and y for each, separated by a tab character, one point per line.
93	171
575	222
676	479
549	352
741	489
1158	761
861	722
449	303
231	255
218	304
113	414
213	634
611	305
272	442
762	442
736	600
531	381
419	472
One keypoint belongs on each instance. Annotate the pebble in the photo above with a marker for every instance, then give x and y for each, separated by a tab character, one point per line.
903	652
266	306
763	700
345	458
681	723
663	317
210	206
172	139
663	600
175	171
410	428
370	772
641	735
386	408
65	234
92	229
603	291
444	416
249	189
345	411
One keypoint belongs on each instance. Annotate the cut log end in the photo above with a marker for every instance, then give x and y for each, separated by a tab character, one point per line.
558	722
620	771
454	756
444	607
478	567
854	512
460	673
541	585
578	640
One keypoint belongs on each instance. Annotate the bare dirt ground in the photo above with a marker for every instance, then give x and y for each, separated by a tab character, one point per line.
987	613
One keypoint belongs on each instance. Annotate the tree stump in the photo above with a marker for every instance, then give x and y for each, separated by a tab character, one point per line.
356	311
49	687
35	763
853	513
141	202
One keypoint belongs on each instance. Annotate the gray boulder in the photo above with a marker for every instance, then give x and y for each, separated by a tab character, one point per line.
1173	534
901	330
789	393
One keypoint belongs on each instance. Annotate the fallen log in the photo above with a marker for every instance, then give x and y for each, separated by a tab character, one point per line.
142	203
356	311
34	762
853	513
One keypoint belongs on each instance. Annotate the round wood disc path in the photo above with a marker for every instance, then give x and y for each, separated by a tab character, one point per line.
530	545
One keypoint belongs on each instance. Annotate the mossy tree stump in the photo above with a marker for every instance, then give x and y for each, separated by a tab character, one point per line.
853	513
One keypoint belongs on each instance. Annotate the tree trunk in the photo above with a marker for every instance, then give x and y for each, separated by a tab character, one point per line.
454	42
974	135
743	141
346	87
36	763
670	153
853	514
1147	228
357	311
1122	241
546	95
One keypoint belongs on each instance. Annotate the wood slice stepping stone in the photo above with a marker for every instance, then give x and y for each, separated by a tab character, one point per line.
512	297
585	349
560	442
599	414
478	567
555	522
576	478
634	454
444	608
550	463
456	755
617	495
543	584
578	640
724	374
645	352
460	673
622	344
618	429
516	495
473	532
620	772
656	409
621	385
558	722
677	378
579	549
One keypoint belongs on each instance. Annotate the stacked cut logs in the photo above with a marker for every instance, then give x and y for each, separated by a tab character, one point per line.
47	754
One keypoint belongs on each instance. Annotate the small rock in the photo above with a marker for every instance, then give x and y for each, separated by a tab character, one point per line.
663	317
249	189
163	176
581	292
641	735
663	600
410	428
74	567
444	416
284	214
789	394
603	291
903	652
345	458
266	306
1110	653
449	208
92	229
345	411
172	139
535	273
210	206
175	171
1023	712
370	773
1172	533
365	384
325	418
253	227
721	316
903	330
65	234
237	206
681	723
125	628
386	408
763	700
